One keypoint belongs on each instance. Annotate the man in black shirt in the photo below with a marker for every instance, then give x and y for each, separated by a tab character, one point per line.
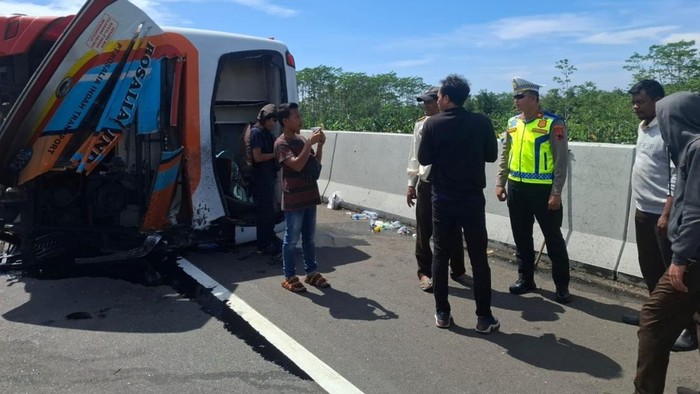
264	179
457	144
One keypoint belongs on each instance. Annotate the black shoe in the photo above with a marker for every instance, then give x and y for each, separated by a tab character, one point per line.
631	319
685	342
486	324
443	319
522	286
562	296
463	280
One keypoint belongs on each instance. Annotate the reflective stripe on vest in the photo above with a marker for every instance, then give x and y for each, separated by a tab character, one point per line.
530	159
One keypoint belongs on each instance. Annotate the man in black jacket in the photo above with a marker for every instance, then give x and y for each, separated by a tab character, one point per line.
457	144
677	295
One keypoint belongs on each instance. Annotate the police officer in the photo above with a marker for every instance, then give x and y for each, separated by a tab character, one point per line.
533	162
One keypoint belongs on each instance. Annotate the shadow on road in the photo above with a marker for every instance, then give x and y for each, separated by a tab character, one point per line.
550	353
540	306
342	305
101	300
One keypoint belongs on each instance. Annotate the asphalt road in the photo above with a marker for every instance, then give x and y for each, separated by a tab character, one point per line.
373	328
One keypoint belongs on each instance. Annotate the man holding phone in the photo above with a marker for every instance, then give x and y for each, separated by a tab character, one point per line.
300	196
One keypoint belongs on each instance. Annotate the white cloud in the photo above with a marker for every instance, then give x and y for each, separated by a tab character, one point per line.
152	8
61	7
409	63
627	36
267	7
687	36
542	25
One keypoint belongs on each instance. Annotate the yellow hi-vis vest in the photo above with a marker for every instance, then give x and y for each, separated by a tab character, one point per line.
530	159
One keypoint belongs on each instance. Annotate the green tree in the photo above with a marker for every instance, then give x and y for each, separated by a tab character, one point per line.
675	65
357	101
498	106
565	93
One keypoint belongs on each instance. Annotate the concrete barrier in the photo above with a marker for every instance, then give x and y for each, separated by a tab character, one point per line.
368	170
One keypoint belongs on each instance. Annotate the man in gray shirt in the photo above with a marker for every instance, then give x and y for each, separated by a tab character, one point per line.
652	188
677	295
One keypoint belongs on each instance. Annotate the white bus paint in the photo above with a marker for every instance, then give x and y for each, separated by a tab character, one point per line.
320	372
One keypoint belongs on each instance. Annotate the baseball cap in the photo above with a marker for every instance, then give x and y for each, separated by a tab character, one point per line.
267	111
429	95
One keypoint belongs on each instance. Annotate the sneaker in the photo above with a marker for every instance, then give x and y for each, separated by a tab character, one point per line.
522	286
443	319
463	280
487	324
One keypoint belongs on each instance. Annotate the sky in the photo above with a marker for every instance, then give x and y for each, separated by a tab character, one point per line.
487	42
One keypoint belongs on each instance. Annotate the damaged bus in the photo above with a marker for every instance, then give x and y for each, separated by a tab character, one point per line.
119	137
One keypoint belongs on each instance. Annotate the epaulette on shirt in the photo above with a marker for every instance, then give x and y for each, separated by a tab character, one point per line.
551	115
421	118
513	123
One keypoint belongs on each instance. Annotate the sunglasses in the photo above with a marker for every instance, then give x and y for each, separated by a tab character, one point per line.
519	96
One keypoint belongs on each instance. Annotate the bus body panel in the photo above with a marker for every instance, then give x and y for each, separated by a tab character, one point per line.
122	130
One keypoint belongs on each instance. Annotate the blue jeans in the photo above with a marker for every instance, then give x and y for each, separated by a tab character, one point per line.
299	223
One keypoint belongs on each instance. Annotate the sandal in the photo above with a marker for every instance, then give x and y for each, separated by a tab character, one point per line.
292	284
426	284
317	280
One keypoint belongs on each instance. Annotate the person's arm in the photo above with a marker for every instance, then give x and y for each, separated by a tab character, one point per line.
297	163
413	165
319	146
559	141
685	244
662	223
503	169
260	157
319	151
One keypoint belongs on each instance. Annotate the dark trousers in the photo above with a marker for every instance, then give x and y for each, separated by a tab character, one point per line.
654	251
424	231
662	319
264	195
469	215
653	248
527	202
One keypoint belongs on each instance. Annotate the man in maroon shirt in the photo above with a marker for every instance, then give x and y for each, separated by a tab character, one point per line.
300	197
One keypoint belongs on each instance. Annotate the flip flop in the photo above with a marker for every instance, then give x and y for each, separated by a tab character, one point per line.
426	284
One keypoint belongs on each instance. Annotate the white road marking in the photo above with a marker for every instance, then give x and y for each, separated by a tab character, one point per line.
320	372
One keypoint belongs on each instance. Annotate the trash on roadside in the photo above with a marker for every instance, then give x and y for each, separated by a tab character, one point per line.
334	201
358	216
371	215
403	230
